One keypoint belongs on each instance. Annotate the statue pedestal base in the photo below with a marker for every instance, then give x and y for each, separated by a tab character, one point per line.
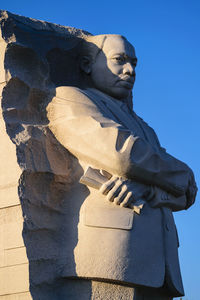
75	289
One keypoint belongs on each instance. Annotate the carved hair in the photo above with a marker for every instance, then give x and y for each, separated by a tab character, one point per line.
92	45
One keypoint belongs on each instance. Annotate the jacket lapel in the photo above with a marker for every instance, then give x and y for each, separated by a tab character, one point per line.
114	109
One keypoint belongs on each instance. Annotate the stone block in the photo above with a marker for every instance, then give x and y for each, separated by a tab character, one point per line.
1	247
2	54
2	84
11	223
12	234
20	296
9	195
1	258
14	279
9	168
10	215
1	238
15	256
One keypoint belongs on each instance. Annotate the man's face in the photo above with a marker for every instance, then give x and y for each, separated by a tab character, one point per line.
113	72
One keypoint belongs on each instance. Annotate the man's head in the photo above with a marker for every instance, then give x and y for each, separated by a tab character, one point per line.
110	62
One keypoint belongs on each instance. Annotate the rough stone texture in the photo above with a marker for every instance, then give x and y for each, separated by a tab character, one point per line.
31	52
35	57
13	259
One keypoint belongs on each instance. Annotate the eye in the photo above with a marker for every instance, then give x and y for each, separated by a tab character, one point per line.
118	59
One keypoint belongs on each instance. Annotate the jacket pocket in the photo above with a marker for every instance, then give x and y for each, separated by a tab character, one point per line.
108	215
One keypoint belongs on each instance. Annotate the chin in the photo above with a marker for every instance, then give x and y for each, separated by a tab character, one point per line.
121	93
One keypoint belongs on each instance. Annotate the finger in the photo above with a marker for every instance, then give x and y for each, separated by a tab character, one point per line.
127	200
121	195
105	188
114	191
106	174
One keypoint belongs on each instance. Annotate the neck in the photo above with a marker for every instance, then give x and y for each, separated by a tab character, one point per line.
127	101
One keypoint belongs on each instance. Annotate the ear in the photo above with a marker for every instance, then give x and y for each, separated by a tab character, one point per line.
86	64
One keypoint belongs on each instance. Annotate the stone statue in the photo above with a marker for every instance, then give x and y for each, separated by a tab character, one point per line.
97	190
97	125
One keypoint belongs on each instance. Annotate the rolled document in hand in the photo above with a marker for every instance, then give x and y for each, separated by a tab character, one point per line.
95	178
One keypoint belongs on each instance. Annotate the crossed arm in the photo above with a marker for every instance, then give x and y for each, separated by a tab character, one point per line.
96	139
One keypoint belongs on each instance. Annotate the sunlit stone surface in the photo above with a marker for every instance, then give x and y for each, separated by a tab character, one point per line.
66	108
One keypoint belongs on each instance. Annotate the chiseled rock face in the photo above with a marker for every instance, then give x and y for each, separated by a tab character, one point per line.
35	58
36	171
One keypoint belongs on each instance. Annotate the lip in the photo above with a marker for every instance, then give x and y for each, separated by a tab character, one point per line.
130	79
127	83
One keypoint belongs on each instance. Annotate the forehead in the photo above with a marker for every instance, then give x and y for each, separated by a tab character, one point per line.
118	45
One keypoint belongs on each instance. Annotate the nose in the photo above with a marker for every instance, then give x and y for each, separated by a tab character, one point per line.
129	69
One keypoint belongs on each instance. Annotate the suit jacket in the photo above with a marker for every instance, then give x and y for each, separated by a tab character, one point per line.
113	243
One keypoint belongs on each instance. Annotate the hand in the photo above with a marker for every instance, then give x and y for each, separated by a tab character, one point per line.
125	192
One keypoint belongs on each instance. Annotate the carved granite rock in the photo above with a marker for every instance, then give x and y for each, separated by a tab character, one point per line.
35	58
67	106
32	52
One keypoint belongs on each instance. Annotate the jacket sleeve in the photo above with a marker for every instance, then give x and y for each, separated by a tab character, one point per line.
92	137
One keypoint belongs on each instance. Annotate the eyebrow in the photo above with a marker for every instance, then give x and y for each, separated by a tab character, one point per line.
123	54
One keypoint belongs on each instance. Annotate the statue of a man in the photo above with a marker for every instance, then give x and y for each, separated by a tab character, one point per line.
97	126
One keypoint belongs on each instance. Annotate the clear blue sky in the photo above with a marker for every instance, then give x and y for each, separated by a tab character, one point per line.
166	35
